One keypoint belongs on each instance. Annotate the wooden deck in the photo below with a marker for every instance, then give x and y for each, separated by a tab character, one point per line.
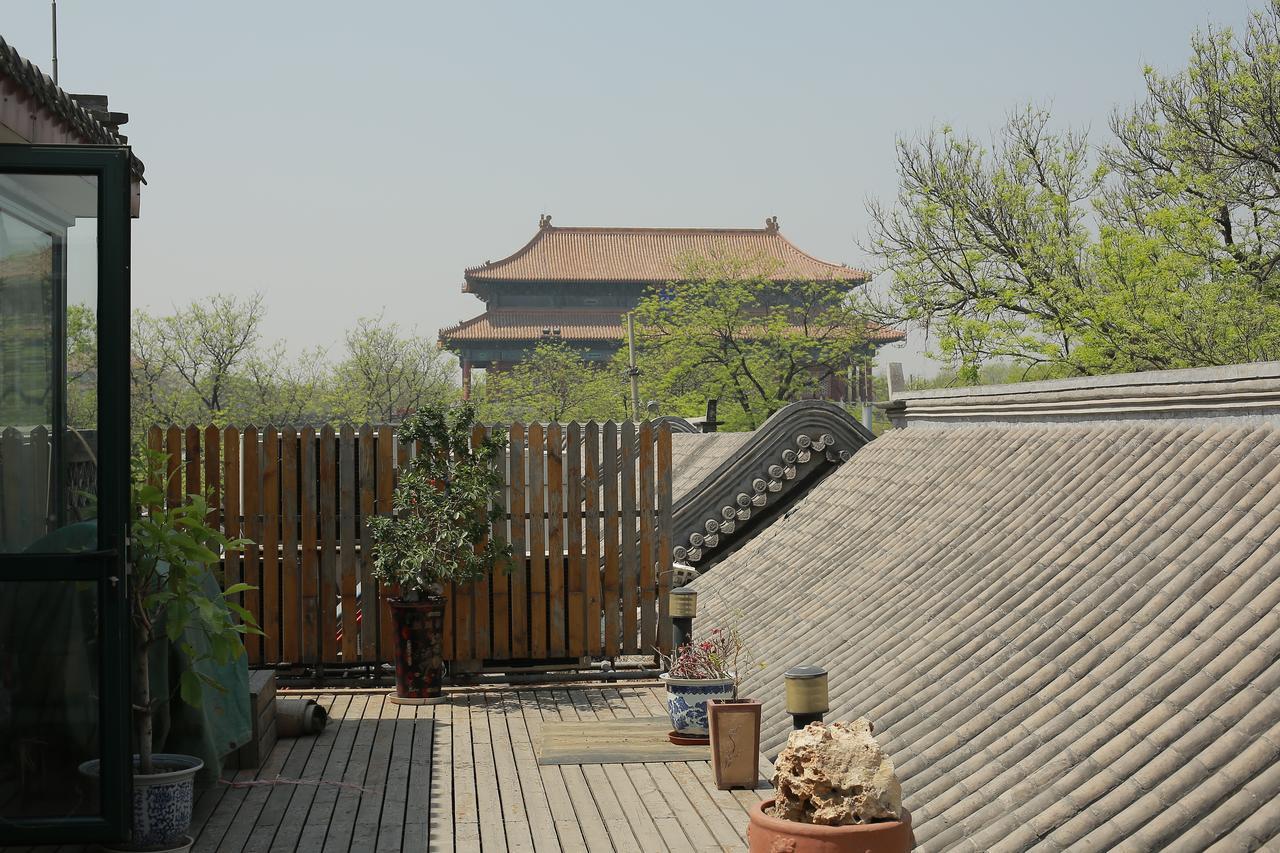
463	776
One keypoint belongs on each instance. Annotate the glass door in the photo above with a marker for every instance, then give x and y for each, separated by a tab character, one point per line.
64	465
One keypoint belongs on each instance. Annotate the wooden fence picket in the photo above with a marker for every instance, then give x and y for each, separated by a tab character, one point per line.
500	577
537	543
327	484
251	506
647	505
233	563
629	574
385	445
270	533
665	535
290	593
519	578
612	597
368	588
555	544
347	542
591	547
309	533
573	541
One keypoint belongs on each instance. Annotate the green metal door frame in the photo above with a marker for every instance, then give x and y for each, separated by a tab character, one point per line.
106	565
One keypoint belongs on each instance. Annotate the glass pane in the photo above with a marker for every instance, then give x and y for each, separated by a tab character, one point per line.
49	662
48	362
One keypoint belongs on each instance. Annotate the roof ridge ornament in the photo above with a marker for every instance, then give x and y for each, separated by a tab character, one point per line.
544	222
770	224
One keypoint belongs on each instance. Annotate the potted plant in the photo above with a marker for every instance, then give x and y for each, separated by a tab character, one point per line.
696	673
443	511
173	598
835	790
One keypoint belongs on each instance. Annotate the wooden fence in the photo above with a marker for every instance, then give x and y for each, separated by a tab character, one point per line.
588	513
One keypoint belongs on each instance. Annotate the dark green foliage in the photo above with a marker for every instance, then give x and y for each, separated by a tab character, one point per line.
444	505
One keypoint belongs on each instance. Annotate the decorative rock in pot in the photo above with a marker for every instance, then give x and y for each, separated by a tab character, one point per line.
834	790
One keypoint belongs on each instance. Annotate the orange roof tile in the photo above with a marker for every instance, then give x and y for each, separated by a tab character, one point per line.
529	325
647	255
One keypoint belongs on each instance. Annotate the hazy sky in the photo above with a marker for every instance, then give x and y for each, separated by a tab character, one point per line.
350	158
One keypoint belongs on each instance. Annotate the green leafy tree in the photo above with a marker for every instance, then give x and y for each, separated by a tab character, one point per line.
387	372
1158	251
172	551
554	383
724	329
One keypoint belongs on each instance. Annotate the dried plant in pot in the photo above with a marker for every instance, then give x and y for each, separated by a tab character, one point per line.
174	597
438	534
697	673
835	790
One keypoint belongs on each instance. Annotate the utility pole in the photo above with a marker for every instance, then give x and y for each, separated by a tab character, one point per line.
632	370
54	10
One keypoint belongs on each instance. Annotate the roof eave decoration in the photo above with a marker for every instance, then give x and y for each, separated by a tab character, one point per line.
795	448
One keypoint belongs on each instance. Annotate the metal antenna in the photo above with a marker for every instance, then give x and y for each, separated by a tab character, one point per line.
54	9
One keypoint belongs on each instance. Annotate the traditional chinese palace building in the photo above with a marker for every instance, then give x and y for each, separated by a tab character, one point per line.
576	285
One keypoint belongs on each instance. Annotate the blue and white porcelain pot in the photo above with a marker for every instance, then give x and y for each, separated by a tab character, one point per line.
162	801
687	701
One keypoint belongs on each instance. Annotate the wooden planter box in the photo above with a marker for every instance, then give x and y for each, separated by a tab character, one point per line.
735	742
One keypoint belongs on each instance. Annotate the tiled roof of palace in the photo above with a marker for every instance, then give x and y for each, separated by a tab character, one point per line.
648	255
538	324
1066	633
528	324
26	77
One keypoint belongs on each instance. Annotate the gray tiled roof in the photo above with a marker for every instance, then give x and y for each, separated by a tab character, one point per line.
1068	636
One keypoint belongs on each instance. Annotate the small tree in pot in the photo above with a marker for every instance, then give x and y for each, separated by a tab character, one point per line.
174	597
444	509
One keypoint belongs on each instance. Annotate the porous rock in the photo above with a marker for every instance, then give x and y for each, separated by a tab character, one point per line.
835	775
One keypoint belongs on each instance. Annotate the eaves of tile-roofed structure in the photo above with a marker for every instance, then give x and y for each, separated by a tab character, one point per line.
574	285
1059	604
35	110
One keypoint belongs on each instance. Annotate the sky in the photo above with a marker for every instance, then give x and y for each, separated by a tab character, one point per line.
351	159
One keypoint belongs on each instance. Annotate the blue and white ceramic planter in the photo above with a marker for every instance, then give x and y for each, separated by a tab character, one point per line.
161	801
687	701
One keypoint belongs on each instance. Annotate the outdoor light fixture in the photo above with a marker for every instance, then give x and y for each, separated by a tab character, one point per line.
683	603
807	696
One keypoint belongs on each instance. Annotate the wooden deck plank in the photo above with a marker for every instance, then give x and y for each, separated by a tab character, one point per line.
346	805
440	815
466	810
574	702
634	806
315	827
568	834
585	812
230	827
415	754
488	797
295	816
533	782
378	794
266	825
498	707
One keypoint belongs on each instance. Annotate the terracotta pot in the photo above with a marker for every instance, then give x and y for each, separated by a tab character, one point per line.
767	834
419	627
735	742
